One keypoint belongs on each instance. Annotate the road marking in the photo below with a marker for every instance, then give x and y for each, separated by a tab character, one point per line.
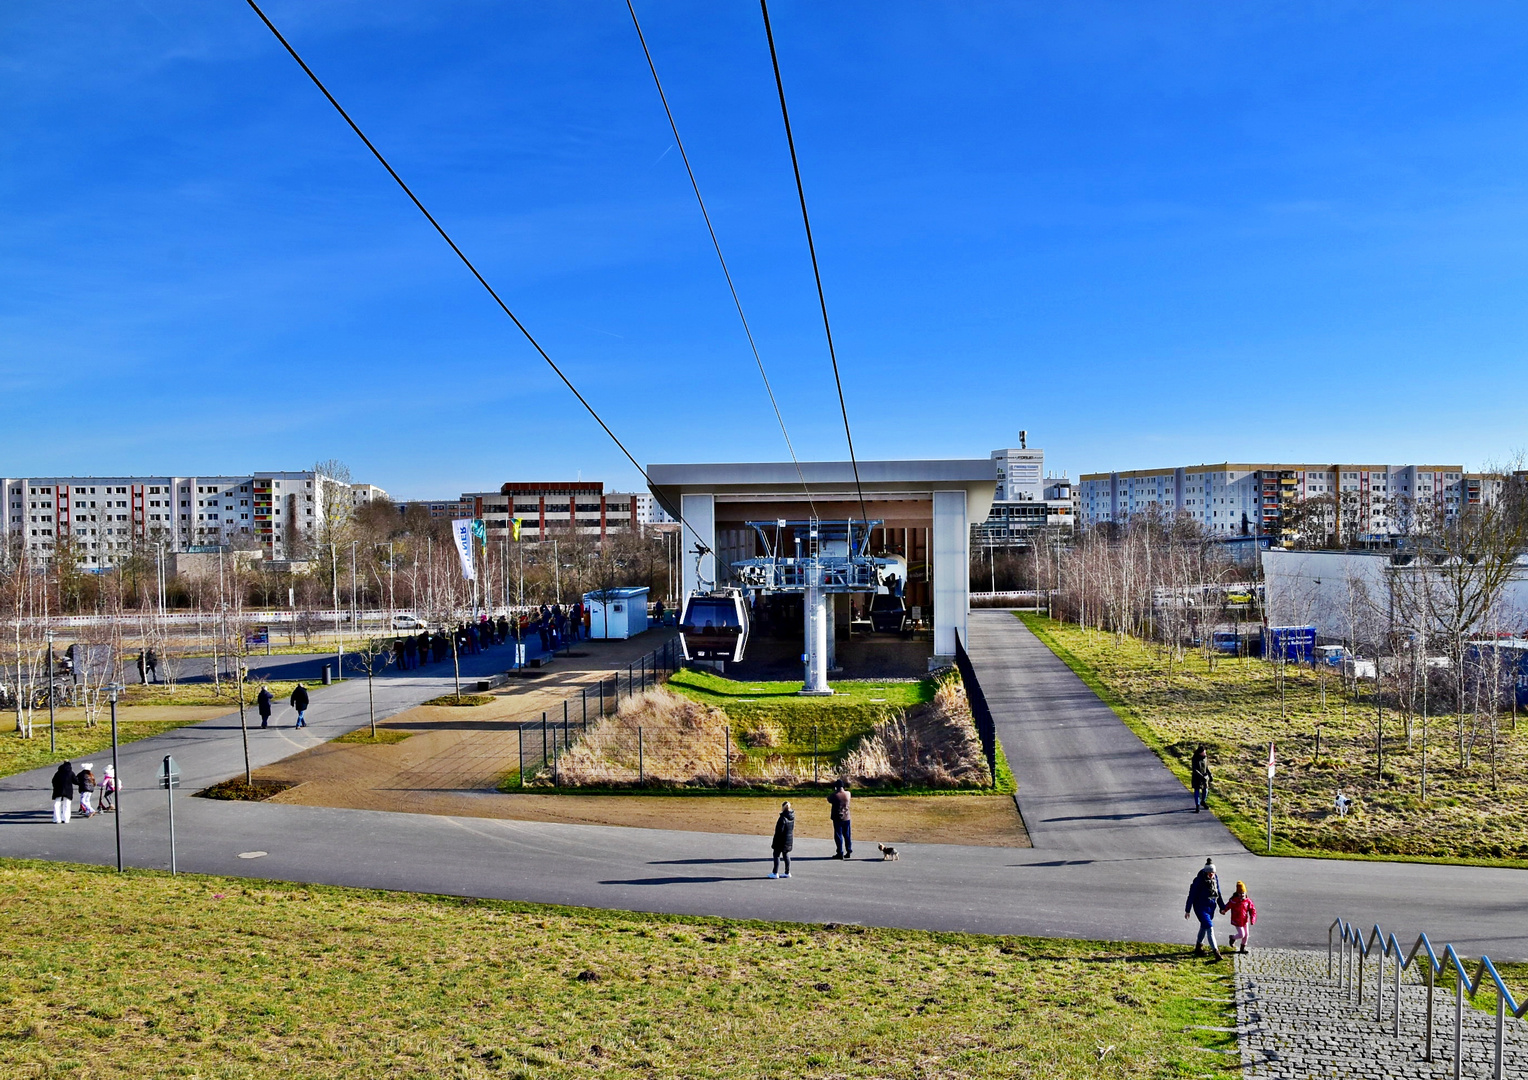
253	854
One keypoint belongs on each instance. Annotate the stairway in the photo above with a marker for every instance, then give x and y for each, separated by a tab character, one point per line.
1295	1022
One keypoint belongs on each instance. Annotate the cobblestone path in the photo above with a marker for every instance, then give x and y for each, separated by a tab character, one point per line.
1295	1022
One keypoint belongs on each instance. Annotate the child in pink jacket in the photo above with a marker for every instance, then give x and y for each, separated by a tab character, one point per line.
1243	915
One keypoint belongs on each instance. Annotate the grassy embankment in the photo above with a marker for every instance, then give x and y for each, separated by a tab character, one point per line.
1233	708
893	737
226	979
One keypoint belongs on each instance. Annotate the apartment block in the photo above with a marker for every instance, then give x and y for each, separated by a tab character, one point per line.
101	520
1352	503
548	511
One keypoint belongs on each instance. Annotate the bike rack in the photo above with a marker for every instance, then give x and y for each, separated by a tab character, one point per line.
1347	955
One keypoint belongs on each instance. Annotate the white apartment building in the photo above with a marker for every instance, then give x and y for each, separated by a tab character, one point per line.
103	519
651	512
1359	503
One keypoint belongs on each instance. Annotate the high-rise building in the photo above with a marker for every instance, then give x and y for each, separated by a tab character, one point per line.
1028	502
100	520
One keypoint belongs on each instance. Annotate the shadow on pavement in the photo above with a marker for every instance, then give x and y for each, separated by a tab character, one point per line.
673	881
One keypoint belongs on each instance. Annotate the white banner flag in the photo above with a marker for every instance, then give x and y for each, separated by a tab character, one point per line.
461	531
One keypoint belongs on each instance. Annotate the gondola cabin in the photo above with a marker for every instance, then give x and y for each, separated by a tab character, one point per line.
714	626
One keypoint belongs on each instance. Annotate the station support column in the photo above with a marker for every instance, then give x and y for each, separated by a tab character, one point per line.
816	615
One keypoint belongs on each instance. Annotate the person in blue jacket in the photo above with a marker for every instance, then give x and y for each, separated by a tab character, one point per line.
1204	902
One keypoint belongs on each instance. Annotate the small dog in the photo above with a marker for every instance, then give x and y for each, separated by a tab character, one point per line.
888	854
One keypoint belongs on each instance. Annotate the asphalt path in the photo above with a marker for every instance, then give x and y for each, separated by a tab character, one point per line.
1113	857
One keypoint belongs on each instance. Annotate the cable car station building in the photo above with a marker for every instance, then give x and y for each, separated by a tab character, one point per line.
920	512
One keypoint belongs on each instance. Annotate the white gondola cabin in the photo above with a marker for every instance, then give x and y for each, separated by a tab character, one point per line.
713	626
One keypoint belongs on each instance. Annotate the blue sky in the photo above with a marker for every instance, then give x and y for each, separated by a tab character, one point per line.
1149	233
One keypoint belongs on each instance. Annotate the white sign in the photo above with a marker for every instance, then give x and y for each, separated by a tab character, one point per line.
461	532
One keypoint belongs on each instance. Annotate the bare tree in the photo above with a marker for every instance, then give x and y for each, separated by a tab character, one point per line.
373	655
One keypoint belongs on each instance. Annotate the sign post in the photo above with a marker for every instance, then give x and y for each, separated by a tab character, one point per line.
169	779
1272	768
116	771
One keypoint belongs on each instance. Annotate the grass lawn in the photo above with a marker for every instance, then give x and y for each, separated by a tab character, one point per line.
76	742
1234	709
147	975
204	693
836	722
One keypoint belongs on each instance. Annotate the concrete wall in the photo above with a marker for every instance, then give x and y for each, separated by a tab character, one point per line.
952	569
1334	590
700	521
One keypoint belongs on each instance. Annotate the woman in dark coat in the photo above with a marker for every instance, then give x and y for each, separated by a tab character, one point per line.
63	793
785	839
263	705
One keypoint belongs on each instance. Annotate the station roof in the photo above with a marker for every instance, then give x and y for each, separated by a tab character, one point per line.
829	480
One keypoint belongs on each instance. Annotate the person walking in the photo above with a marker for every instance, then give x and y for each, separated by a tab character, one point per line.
63	793
109	791
1200	775
142	668
1203	901
151	661
263	705
1243	916
838	809
85	781
785	840
300	703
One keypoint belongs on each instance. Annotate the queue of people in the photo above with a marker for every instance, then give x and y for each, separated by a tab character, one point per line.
67	781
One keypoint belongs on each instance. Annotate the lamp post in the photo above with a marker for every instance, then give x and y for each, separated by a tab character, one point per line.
339	637
355	618
112	692
52	719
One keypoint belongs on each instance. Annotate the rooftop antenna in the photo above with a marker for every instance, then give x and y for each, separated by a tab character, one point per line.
1023	440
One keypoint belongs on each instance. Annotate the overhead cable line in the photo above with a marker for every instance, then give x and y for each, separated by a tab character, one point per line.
459	253
694	184
806	221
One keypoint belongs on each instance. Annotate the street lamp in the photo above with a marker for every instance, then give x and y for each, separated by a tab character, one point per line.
112	692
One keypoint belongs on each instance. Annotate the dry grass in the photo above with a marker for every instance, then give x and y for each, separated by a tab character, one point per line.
685	742
682	742
933	745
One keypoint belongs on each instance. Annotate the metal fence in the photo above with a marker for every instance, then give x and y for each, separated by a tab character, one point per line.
1347	956
542	744
986	730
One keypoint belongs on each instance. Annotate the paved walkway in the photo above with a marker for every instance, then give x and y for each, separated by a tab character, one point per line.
1117	870
459	752
1295	1022
1087	785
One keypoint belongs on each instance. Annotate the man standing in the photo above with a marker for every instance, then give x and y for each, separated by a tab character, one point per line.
263	703
1199	774
838	809
300	703
1204	902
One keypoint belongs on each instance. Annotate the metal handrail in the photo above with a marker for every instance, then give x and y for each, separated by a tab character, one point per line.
1347	951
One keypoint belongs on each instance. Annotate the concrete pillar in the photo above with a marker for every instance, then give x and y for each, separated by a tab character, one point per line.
817	618
830	610
951	543
699	524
